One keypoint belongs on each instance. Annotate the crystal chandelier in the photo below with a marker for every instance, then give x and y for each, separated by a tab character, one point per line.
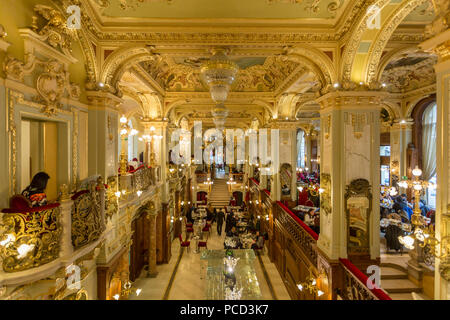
219	73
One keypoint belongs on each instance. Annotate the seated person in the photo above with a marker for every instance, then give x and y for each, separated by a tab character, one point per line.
309	217
258	243
35	192
232	232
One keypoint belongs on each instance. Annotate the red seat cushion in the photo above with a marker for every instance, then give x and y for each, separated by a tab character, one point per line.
185	243
189	230
19	202
202	243
206	229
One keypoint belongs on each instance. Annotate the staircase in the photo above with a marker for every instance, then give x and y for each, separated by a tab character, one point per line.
219	196
394	279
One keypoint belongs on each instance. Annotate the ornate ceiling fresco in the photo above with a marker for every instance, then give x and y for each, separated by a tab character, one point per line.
258	9
409	71
259	74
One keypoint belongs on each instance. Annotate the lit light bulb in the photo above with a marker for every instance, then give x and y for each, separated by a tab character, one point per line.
417	172
138	291
133	132
116	296
407	241
320	293
117	193
139	192
123	119
300	287
418	187
300	189
314	282
321	190
336	85
123	132
124	191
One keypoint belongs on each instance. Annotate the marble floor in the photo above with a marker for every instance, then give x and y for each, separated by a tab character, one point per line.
180	279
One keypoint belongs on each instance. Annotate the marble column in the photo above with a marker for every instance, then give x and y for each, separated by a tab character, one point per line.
440	44
103	133
349	141
152	272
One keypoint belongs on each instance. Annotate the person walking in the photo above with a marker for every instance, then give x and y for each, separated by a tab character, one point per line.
219	218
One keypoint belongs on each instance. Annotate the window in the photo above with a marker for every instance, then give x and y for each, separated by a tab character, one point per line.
431	194
384	175
385	151
301	152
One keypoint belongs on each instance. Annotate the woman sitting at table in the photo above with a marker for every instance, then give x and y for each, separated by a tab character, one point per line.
232	232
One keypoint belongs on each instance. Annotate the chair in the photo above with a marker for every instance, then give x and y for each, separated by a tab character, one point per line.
184	244
202	244
188	224
189	230
206	229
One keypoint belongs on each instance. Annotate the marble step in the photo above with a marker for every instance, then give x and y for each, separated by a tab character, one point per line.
392	273
399	286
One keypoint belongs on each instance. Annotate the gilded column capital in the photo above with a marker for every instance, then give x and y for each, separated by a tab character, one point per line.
403	124
439	44
352	99
99	99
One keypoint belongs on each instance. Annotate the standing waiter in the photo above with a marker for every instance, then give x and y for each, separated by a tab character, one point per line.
220	217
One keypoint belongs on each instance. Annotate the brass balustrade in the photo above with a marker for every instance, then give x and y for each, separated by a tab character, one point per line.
355	287
30	237
87	219
300	235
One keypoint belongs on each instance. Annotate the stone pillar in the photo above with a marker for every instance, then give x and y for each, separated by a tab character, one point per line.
349	141
66	224
103	133
440	44
152	272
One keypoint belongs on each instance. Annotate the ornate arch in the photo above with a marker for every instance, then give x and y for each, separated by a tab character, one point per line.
322	65
120	60
376	49
355	37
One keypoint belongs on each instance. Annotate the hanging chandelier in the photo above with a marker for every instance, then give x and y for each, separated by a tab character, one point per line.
219	73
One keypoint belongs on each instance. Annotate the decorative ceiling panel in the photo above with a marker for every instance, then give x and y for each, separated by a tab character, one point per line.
259	9
259	74
410	71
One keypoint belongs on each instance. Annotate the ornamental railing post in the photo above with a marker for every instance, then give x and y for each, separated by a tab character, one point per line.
66	223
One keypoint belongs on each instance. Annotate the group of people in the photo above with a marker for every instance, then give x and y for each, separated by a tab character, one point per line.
311	219
398	204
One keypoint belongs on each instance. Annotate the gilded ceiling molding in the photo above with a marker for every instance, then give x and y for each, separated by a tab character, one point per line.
94	23
327	72
84	40
120	60
355	37
384	36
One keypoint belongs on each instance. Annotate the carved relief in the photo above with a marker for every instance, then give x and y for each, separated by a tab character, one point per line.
325	196
185	75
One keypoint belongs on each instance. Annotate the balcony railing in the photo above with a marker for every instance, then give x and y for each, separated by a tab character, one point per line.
30	237
355	284
34	237
304	236
88	221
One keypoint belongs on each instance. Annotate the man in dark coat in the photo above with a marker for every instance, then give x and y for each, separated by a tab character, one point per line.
219	218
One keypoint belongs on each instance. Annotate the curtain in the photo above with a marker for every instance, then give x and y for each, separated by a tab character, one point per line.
429	142
301	149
